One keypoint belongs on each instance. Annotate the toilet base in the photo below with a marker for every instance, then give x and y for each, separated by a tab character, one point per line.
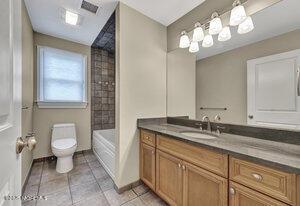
64	164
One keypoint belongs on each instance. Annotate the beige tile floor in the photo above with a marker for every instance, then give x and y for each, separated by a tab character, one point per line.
87	184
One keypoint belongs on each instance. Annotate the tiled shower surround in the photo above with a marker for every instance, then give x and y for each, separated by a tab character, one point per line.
103	89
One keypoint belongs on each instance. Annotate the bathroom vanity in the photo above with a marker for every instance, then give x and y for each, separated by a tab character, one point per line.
228	170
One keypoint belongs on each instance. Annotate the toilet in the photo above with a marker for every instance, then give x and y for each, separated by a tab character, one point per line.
64	144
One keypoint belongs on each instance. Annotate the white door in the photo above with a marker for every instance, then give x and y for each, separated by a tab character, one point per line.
273	90
10	99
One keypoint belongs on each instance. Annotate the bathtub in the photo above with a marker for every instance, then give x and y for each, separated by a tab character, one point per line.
104	148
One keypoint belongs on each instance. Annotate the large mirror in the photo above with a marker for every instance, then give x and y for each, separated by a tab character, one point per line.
251	79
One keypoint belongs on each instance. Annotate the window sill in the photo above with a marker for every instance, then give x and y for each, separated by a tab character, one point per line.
62	105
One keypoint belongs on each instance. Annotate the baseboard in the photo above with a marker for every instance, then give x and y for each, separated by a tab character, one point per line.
27	177
127	187
52	157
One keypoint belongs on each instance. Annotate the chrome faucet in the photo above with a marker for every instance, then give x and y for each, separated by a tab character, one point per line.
205	118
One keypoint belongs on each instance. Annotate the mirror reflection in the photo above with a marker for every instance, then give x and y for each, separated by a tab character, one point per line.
250	77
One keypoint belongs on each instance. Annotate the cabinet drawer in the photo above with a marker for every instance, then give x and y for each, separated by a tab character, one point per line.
204	158
243	196
148	137
277	184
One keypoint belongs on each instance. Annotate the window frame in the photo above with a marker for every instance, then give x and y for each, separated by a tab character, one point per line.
58	104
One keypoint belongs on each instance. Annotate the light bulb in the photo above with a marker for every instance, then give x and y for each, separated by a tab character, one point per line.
225	34
184	40
208	41
246	26
198	34
194	47
215	25
71	18
237	15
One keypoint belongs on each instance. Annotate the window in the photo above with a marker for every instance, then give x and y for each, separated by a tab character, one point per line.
61	79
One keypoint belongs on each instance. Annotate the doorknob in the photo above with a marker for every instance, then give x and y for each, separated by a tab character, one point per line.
29	142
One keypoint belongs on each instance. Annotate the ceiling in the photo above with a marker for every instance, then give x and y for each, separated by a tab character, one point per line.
163	11
272	21
45	15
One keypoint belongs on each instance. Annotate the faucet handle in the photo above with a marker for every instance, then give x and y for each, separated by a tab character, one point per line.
217	118
200	125
219	128
205	118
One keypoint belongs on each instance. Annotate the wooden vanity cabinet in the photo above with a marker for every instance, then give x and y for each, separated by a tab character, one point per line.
184	174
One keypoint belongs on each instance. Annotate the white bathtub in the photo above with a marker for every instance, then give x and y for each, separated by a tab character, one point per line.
104	148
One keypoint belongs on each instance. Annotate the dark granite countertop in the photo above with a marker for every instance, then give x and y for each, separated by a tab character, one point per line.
279	155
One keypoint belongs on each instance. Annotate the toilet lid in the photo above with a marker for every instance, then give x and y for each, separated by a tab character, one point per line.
64	143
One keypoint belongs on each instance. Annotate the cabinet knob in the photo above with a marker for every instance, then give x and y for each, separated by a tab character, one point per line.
183	167
153	152
250	116
257	177
232	191
179	165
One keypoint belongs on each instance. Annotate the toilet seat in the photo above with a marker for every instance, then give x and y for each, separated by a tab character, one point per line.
63	144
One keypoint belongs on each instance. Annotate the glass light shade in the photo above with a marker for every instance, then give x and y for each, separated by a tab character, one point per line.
198	34
246	26
225	34
194	47
215	26
208	41
237	15
184	40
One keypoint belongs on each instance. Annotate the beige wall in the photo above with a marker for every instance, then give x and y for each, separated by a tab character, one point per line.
141	84
222	79
43	119
181	83
27	87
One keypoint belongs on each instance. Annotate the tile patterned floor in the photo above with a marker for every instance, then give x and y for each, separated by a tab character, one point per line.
87	184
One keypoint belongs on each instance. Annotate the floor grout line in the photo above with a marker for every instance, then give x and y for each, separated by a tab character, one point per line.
68	177
40	182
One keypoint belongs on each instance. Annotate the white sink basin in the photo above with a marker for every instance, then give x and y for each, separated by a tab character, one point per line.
198	135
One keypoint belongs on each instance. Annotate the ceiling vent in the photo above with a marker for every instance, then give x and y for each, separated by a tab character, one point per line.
89	7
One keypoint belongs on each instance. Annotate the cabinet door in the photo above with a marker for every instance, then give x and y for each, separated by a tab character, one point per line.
243	196
201	186
147	165
169	178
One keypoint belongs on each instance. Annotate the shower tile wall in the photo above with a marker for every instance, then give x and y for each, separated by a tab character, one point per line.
103	89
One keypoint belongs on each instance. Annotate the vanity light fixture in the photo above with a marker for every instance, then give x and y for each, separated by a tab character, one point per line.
198	34
225	34
238	13
194	47
208	41
246	26
238	17
71	18
215	25
184	40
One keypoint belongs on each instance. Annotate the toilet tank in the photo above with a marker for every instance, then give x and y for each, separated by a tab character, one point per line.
61	131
